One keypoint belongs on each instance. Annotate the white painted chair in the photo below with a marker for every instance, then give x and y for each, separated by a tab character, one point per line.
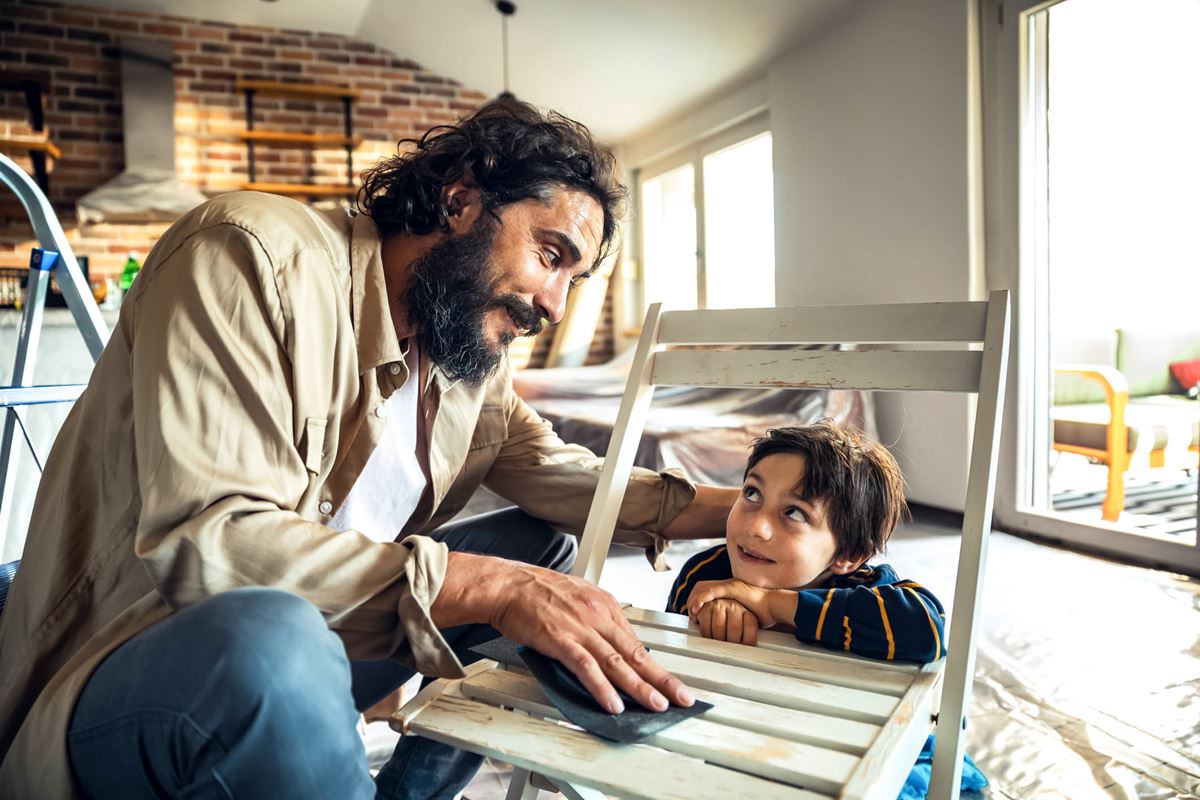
789	720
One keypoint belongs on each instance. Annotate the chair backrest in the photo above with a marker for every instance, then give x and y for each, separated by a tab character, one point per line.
705	363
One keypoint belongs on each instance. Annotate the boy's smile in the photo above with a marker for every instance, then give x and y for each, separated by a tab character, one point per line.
777	537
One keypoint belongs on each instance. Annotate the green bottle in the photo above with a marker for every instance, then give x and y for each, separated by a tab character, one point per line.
130	271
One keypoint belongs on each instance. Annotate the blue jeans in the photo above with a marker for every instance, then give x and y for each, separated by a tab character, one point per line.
249	695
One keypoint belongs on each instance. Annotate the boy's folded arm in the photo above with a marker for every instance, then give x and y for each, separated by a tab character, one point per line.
901	621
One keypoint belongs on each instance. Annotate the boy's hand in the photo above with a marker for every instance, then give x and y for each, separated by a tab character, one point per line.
769	606
729	621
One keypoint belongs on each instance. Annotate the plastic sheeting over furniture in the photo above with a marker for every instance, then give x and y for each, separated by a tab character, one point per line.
706	432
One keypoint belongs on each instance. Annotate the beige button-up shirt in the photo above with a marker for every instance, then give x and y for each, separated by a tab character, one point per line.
224	424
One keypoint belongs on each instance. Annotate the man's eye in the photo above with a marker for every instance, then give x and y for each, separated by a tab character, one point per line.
552	258
579	280
796	514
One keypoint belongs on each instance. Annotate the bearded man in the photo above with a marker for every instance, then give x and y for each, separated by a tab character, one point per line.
240	538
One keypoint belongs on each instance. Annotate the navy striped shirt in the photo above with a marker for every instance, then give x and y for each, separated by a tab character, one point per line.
870	612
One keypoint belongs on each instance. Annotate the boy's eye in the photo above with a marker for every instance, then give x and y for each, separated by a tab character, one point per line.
796	514
750	493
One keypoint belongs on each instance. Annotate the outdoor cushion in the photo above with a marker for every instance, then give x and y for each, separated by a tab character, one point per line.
1154	423
1143	357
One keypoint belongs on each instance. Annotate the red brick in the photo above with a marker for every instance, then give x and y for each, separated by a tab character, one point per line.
205	32
78	48
242	36
160	29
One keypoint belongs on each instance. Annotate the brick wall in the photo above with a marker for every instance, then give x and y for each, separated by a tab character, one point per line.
75	47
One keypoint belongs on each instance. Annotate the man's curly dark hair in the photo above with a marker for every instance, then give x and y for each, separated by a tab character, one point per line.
509	151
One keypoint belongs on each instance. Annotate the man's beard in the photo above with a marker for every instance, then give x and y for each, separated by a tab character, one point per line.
451	292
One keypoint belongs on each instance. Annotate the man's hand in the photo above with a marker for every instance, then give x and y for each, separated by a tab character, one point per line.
729	621
769	606
565	618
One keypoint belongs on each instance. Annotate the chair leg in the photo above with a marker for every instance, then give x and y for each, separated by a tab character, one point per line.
520	788
1114	498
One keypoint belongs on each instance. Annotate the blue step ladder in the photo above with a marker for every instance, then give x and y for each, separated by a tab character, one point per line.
56	258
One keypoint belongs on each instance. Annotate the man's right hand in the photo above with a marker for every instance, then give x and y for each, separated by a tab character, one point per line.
562	617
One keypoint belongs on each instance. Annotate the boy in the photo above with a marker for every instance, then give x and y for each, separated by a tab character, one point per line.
816	503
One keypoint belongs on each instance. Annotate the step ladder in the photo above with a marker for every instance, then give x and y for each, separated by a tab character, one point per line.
56	258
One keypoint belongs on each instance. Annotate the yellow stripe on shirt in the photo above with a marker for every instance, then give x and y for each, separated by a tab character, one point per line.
937	640
846	625
821	619
887	626
688	577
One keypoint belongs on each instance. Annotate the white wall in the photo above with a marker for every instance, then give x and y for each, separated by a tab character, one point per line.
869	125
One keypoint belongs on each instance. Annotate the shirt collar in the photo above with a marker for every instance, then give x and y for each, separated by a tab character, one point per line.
373	328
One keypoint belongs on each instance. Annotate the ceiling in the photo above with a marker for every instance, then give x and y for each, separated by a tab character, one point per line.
617	65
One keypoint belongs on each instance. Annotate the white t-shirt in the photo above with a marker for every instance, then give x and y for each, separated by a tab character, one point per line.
390	485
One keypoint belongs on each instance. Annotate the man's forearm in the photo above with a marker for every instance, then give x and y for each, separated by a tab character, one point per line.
704	517
473	590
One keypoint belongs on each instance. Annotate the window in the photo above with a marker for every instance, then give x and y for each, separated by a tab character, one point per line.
719	193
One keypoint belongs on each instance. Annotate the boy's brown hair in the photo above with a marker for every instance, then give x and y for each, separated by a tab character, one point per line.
857	482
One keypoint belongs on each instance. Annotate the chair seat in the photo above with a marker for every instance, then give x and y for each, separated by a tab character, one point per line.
1155	423
789	721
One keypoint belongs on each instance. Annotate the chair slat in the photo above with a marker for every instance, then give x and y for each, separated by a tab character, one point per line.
854	675
628	771
917	370
893	753
767	640
800	764
801	694
901	322
843	735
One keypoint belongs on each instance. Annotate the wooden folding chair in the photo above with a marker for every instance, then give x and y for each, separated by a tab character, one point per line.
789	720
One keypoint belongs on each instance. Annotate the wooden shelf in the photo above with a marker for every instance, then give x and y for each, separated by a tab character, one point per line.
301	139
302	189
311	91
31	143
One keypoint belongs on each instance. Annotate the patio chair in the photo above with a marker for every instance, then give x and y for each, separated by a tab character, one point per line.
789	720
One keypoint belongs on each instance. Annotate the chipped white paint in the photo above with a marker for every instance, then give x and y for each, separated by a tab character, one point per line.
889	370
900	322
857	674
767	640
638	772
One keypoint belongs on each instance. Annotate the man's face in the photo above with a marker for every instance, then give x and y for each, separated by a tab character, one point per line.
474	292
776	538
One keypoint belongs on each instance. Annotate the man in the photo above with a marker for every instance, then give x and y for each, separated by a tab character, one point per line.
221	567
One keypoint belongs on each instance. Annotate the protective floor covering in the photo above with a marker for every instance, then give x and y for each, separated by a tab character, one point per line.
1088	671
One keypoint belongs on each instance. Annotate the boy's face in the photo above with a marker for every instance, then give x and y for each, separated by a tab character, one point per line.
776	538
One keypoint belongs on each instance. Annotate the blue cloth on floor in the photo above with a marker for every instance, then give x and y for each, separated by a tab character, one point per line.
917	785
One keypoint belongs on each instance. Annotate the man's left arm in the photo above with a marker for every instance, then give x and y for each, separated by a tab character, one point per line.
556	481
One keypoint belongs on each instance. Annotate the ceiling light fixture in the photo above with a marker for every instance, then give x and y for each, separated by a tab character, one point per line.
506	9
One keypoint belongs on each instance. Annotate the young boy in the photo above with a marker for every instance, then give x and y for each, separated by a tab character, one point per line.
816	503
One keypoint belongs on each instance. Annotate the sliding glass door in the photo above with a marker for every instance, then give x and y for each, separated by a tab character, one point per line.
1091	169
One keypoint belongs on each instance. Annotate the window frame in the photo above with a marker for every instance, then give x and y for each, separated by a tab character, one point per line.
694	153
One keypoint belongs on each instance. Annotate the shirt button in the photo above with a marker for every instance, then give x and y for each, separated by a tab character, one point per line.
393	369
381	411
326	507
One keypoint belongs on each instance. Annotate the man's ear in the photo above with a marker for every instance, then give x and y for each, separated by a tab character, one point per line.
844	566
461	206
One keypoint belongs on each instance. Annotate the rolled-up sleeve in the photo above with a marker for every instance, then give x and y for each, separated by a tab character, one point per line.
218	464
555	481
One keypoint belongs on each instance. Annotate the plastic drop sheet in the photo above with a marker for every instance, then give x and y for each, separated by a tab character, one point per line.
1087	676
706	432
